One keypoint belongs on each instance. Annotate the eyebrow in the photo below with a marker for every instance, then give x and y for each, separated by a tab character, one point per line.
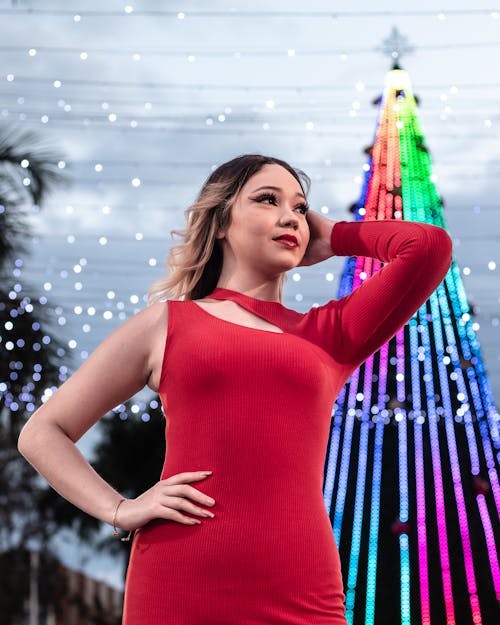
276	189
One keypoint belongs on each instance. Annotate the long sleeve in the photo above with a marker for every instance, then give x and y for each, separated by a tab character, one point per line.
417	258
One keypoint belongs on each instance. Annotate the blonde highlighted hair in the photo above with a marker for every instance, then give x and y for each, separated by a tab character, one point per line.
195	263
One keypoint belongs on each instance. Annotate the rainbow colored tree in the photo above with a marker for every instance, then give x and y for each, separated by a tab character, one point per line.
411	474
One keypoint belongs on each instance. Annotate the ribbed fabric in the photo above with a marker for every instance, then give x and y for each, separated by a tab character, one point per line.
254	407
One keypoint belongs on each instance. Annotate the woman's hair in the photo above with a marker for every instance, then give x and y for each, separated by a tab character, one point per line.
195	263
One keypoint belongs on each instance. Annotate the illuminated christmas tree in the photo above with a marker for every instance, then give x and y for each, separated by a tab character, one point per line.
411	474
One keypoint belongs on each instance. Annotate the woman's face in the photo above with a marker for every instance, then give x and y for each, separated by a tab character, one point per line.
269	205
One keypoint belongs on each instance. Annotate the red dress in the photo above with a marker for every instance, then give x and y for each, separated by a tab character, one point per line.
254	406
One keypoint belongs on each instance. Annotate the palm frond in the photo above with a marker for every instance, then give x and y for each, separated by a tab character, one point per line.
28	169
41	163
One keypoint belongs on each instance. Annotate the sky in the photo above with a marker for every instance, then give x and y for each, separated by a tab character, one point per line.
144	99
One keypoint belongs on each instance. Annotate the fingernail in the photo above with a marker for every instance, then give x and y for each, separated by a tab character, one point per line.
207	472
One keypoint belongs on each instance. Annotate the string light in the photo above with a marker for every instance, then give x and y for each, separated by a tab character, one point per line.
232	54
365	406
429	381
242	14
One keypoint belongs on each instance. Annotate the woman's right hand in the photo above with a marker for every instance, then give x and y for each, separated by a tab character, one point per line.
167	499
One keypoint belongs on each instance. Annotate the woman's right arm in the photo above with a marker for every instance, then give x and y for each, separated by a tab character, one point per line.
119	367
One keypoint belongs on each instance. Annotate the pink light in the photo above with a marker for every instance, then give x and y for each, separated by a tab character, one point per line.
490	541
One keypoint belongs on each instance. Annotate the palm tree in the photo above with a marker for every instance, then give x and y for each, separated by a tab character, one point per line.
30	353
29	168
131	449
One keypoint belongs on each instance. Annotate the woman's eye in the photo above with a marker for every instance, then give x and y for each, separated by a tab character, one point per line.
267	196
303	208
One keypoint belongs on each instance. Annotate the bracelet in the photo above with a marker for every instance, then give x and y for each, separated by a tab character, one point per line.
115	531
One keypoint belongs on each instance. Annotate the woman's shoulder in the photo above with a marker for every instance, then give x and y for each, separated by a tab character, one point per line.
146	323
152	312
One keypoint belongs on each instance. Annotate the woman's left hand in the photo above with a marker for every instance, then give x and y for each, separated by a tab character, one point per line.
319	247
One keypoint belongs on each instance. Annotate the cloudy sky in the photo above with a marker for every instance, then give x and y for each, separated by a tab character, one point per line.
144	99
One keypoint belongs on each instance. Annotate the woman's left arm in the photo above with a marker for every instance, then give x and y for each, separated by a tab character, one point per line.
417	257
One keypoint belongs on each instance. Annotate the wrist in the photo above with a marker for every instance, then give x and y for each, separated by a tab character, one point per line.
116	523
332	238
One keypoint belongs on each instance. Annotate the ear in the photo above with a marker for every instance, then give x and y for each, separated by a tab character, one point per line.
220	234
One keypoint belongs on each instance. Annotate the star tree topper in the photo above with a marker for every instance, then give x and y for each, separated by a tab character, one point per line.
396	46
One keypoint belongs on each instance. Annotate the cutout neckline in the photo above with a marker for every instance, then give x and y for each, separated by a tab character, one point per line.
222	294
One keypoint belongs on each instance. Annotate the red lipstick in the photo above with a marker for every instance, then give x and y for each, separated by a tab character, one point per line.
287	239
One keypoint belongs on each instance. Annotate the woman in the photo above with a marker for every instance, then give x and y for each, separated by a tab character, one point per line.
247	387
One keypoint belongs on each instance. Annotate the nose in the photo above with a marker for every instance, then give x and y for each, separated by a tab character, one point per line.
289	218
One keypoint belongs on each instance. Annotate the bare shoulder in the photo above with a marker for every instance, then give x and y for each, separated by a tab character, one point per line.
140	330
150	328
151	317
